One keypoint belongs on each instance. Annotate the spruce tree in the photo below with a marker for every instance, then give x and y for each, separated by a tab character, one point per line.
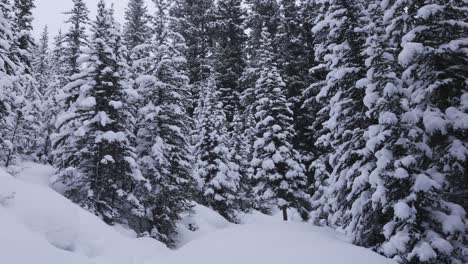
93	154
52	103
136	28
230	39
218	174
25	123
164	126
42	73
343	112
23	27
8	74
278	171
416	203
76	36
261	13
296	46
195	24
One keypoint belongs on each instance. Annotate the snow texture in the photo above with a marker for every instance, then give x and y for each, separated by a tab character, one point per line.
38	225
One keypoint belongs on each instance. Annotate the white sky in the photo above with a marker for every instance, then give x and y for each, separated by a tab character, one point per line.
50	13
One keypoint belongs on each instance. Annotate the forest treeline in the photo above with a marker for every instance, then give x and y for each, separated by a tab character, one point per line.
354	114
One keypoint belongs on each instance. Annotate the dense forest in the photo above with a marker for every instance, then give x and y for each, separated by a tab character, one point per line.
352	114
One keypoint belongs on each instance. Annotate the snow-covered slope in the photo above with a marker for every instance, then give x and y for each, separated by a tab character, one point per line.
39	226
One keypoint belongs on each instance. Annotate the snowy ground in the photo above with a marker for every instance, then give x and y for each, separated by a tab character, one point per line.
40	226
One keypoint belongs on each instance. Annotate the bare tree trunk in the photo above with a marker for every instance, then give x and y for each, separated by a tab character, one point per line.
13	138
285	213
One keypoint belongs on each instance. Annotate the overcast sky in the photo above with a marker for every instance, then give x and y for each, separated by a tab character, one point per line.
50	13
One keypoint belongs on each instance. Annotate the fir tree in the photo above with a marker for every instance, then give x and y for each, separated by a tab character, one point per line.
164	125
416	205
76	36
43	76
25	124
136	28
261	13
52	103
297	58
218	174
230	38
23	28
279	173
344	110
8	71
195	24
93	147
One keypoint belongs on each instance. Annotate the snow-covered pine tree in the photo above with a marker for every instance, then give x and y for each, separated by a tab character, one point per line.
23	32
76	38
260	13
278	171
137	37
296	47
164	127
387	139
41	71
41	62
218	174
136	27
339	52
93	152
195	24
312	117
26	125
8	75
52	103
241	142
230	38
414	191
441	95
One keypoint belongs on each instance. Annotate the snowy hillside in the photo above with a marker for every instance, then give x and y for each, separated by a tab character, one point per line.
40	226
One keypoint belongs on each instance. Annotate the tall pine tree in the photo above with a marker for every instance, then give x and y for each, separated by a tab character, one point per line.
215	169
93	147
164	126
278	171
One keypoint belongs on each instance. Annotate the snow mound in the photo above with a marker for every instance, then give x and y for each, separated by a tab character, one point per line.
274	242
38	225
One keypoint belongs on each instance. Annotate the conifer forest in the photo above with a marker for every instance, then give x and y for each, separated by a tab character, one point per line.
338	114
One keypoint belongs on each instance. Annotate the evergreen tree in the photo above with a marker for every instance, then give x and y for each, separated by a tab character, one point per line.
136	28
230	38
195	24
23	28
279	173
218	174
8	73
76	36
294	63
52	103
241	142
41	63
25	124
164	126
93	147
344	111
413	196
42	74
261	13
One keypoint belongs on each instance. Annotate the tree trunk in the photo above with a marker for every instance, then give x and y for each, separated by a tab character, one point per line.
285	213
13	138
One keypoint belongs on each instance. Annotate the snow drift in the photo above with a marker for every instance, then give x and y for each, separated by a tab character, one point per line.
38	225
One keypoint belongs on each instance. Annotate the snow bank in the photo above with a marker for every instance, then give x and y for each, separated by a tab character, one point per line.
40	226
268	240
43	227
